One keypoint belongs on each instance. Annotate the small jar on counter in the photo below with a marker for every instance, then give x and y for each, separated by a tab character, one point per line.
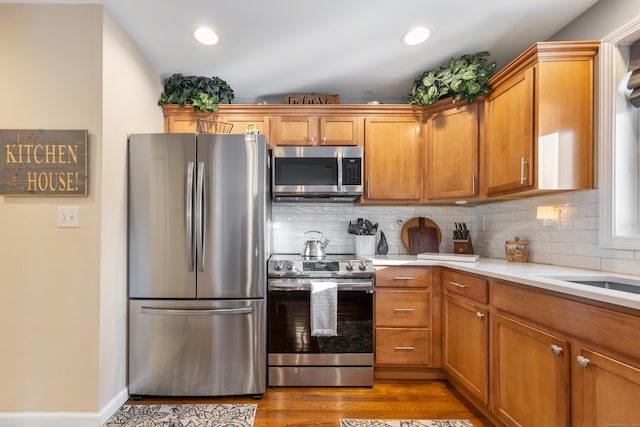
517	250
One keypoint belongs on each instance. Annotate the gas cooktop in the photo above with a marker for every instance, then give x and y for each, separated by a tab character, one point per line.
332	265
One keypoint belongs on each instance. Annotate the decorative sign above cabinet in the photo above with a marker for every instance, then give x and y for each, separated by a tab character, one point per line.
43	162
312	99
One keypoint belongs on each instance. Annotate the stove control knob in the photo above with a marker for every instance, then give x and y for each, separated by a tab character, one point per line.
278	266
291	266
349	266
363	266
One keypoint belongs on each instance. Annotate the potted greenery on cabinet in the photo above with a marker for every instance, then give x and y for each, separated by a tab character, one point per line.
464	78
203	93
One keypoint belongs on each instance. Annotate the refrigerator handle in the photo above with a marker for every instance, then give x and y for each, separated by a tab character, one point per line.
201	213
195	311
189	215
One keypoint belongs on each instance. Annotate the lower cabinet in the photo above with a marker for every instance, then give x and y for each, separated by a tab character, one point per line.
466	332
606	391
404	327
531	375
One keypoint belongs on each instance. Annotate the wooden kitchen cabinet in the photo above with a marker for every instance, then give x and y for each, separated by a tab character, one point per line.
318	130
405	305
595	375
184	119
593	380
531	372
393	159
538	121
466	332
452	151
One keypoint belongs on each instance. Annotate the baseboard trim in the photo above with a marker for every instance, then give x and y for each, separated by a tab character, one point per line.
114	405
64	419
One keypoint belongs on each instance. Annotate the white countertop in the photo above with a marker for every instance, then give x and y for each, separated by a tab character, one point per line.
528	274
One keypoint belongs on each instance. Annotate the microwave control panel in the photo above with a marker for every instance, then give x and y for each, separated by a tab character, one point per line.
351	171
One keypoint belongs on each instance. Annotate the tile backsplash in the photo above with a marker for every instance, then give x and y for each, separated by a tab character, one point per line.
571	242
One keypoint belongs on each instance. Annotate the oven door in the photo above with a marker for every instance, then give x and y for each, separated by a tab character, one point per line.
289	329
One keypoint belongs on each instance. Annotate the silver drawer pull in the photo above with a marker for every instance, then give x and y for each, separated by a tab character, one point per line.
403	310
479	315
458	285
405	348
404	278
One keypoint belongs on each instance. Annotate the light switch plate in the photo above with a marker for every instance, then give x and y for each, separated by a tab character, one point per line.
68	216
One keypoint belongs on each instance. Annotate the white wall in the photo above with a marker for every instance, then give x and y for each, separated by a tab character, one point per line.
131	87
63	305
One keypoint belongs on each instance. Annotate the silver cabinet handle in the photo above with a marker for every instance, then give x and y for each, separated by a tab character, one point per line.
555	349
479	315
368	189
458	285
522	163
405	348
473	184
311	139
404	278
403	310
323	139
583	361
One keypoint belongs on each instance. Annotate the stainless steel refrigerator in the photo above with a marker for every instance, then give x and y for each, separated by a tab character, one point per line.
198	243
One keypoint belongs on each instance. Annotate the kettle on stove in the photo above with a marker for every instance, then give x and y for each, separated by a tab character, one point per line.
314	248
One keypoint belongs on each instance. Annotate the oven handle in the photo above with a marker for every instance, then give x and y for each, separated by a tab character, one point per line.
305	285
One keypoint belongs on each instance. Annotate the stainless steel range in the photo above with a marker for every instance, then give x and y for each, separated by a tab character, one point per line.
335	292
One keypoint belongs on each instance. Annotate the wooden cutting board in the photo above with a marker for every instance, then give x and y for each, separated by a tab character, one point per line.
423	239
429	240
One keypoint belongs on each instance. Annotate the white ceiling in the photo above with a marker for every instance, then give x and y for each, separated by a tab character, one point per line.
352	48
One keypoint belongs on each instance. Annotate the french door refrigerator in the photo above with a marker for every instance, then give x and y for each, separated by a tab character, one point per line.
198	242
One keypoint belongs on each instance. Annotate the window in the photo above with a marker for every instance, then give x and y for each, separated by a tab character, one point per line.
619	137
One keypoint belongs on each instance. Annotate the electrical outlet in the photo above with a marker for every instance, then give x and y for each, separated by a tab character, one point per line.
68	216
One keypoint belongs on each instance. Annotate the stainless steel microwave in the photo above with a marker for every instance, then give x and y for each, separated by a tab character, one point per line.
322	174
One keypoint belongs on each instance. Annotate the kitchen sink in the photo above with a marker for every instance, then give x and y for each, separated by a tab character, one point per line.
607	282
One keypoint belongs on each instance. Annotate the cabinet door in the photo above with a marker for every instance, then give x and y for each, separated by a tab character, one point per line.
393	155
531	375
606	390
466	345
452	153
240	123
509	126
341	130
295	130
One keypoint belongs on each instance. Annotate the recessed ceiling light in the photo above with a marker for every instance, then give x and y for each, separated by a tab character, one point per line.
416	36
205	36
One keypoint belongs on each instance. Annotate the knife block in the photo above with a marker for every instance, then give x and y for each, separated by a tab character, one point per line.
462	246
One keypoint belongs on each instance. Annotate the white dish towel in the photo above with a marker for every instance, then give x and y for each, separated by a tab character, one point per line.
324	309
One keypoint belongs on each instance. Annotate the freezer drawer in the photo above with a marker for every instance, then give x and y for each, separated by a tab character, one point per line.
197	348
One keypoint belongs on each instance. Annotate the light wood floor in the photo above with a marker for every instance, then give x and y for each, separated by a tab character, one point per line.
324	406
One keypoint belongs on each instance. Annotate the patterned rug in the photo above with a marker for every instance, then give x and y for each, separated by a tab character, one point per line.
220	415
405	423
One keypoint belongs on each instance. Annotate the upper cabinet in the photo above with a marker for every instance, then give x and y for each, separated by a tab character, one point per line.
538	121
393	159
451	151
318	130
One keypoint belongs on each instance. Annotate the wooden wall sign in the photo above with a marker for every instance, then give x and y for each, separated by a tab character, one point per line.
43	162
312	99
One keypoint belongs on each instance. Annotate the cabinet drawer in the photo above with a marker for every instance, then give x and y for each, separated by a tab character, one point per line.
402	346
404	277
472	287
402	308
